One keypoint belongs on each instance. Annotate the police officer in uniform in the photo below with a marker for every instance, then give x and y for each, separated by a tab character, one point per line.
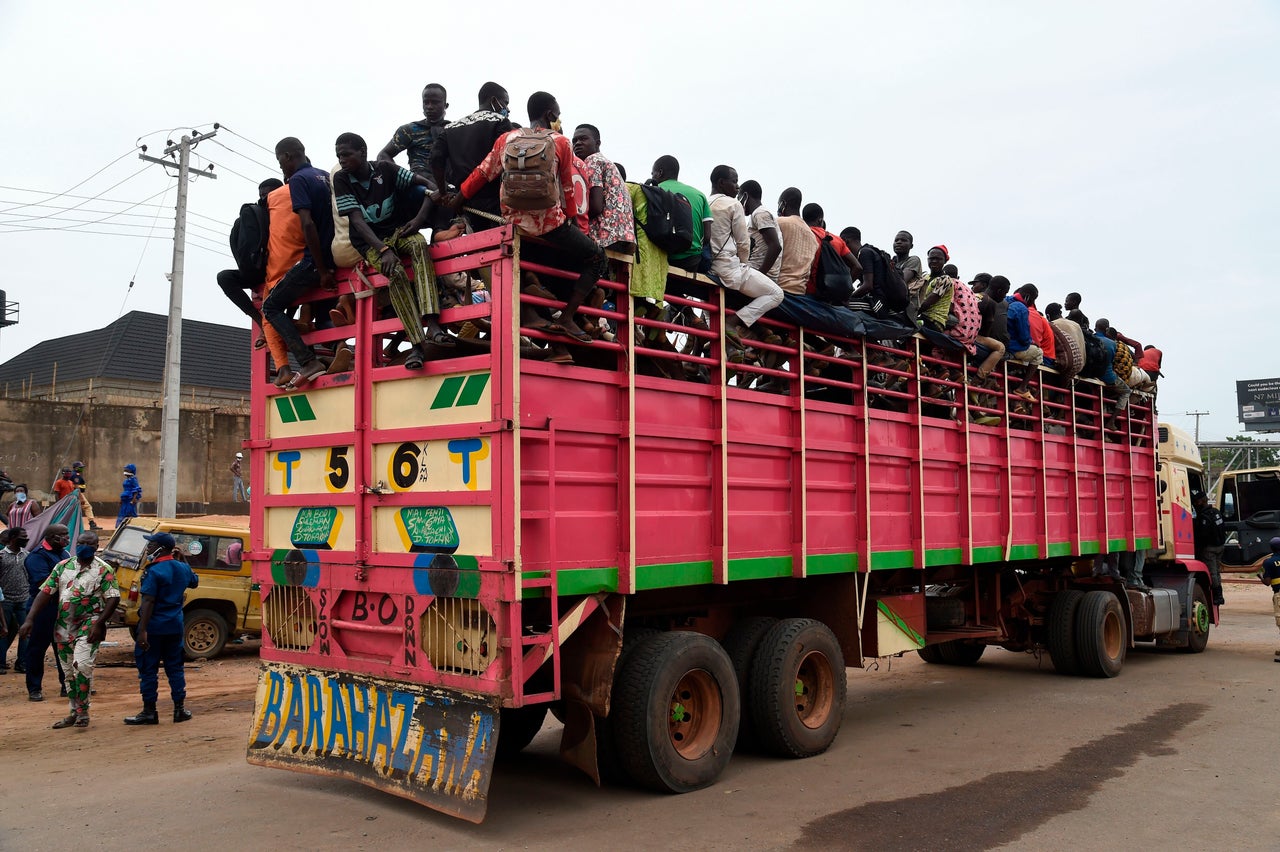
160	630
1270	575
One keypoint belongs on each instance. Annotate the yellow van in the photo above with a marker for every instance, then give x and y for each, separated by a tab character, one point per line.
227	602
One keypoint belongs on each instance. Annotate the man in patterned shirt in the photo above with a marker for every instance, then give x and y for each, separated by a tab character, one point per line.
87	595
417	137
613	223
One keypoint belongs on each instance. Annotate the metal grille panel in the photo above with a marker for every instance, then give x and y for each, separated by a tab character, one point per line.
289	618
459	636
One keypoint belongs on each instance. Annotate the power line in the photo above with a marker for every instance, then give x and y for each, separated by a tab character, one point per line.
104	192
245	138
81	183
217	232
253	181
93	198
272	169
143	253
28	229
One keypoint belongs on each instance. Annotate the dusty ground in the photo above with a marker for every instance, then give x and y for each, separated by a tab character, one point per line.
1177	750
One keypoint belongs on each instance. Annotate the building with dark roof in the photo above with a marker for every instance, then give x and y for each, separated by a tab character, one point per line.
124	362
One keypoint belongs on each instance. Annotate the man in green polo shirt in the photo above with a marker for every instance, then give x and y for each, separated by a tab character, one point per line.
666	173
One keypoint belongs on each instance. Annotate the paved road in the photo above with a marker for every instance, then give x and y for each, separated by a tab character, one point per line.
1179	750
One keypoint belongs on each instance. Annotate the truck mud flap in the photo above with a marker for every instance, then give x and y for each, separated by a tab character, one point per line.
434	746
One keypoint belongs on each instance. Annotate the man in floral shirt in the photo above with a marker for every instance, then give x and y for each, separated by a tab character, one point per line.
87	595
613	224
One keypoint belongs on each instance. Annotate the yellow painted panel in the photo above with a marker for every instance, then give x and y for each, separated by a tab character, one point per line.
281	520
474	530
432	401
890	638
463	464
318	470
311	412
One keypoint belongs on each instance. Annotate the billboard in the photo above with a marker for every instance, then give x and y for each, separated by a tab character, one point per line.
1259	402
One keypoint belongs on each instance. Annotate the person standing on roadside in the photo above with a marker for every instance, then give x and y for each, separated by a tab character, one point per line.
130	495
86	595
86	508
17	593
62	486
22	509
1211	535
159	638
1270	575
237	480
39	564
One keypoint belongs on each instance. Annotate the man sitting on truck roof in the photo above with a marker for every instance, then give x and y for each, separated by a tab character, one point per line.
762	226
613	224
799	244
417	137
375	198
731	253
554	224
666	173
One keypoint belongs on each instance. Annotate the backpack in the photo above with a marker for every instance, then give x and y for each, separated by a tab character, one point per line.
670	221
832	282
889	281
249	242
530	171
1123	363
1095	357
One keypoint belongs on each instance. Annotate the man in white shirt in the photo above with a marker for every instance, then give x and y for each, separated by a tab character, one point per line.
731	251
762	225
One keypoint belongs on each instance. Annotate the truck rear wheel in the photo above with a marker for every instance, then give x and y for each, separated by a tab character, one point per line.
741	643
960	653
932	654
204	634
677	712
1062	631
797	688
518	727
1101	639
1201	619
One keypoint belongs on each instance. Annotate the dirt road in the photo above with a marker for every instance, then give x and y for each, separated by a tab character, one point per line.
1177	750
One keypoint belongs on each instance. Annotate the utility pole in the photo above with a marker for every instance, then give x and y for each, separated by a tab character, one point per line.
1197	415
167	492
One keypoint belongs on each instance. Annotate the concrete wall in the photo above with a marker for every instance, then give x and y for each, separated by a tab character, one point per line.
39	437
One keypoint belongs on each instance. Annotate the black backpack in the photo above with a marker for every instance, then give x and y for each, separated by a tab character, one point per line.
670	224
832	282
1095	357
889	281
249	242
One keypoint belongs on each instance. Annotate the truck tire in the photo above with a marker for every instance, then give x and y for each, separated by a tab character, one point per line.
958	652
1062	631
741	643
677	712
932	654
1201	619
607	761
204	634
517	728
1101	638
797	688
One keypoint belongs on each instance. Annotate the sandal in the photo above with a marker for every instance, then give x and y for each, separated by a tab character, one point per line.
260	343
580	336
283	378
442	338
82	722
314	370
68	721
413	361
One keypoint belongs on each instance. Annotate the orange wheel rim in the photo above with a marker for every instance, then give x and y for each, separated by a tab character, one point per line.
695	714
815	690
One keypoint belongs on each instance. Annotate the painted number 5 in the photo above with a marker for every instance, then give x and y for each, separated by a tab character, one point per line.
339	468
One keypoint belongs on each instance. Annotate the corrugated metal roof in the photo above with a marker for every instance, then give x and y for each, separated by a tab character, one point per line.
132	347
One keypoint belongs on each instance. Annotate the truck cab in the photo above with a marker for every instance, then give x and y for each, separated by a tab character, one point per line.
226	604
1249	501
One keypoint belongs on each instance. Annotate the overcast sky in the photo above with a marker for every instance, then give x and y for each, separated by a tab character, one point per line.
1124	150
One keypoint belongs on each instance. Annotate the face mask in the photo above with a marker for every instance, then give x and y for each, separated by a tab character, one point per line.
20	497
500	110
85	552
555	125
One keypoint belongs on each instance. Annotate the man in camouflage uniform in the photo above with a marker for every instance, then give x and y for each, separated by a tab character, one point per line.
87	595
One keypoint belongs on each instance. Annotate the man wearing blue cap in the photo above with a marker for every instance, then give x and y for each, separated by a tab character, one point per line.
130	495
159	640
1270	575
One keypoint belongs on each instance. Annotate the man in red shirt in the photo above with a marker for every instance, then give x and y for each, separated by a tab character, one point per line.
64	485
555	224
813	216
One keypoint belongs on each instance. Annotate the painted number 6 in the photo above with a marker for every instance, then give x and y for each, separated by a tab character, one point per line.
405	465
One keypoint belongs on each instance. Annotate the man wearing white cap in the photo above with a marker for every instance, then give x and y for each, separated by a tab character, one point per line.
237	480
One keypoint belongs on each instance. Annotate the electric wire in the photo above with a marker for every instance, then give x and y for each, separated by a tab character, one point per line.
104	192
95	198
52	196
271	169
141	255
220	126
